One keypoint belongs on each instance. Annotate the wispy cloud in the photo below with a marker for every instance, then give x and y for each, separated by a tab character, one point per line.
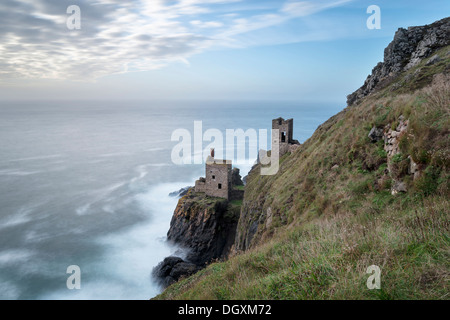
122	36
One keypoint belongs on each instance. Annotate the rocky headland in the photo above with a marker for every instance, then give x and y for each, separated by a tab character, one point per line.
369	187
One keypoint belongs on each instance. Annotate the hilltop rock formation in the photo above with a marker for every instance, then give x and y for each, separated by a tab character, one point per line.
409	47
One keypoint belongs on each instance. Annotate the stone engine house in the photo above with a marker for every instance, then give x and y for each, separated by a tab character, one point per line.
218	178
285	136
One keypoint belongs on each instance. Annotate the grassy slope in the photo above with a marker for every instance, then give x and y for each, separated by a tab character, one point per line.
329	225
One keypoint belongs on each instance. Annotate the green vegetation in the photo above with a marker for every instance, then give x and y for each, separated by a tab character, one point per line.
234	209
328	258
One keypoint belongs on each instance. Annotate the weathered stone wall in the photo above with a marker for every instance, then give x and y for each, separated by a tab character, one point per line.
288	144
200	185
284	126
218	180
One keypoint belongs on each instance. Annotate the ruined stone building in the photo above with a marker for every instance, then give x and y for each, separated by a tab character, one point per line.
285	135
217	181
219	173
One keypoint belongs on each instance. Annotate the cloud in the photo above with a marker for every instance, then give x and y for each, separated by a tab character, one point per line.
124	36
306	8
206	24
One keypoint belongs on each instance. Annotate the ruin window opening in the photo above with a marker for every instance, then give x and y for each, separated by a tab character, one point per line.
214	177
283	136
220	186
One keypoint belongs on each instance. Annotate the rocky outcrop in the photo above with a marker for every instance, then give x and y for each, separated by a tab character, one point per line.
398	165
180	193
392	136
172	269
253	214
205	226
409	47
236	177
375	134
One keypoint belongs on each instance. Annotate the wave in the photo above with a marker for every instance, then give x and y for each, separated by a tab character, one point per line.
35	158
14	256
124	270
21	216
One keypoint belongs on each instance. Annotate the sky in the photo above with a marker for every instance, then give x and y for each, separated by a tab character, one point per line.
317	50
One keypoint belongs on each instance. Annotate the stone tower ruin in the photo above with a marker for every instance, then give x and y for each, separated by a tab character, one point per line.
217	181
285	136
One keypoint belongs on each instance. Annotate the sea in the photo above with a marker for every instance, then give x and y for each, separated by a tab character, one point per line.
87	183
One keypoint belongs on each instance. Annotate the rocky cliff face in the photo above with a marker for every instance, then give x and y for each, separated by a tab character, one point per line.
417	58
253	213
409	47
205	226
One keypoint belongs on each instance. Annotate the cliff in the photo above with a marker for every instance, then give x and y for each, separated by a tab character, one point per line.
409	47
369	187
205	226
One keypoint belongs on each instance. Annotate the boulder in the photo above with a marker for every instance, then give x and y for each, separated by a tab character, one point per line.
375	134
398	187
172	269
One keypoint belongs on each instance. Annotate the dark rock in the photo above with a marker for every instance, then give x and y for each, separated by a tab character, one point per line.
164	268
252	231
376	134
236	178
183	269
204	226
172	269
236	194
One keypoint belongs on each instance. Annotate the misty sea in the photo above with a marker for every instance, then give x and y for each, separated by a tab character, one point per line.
88	183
